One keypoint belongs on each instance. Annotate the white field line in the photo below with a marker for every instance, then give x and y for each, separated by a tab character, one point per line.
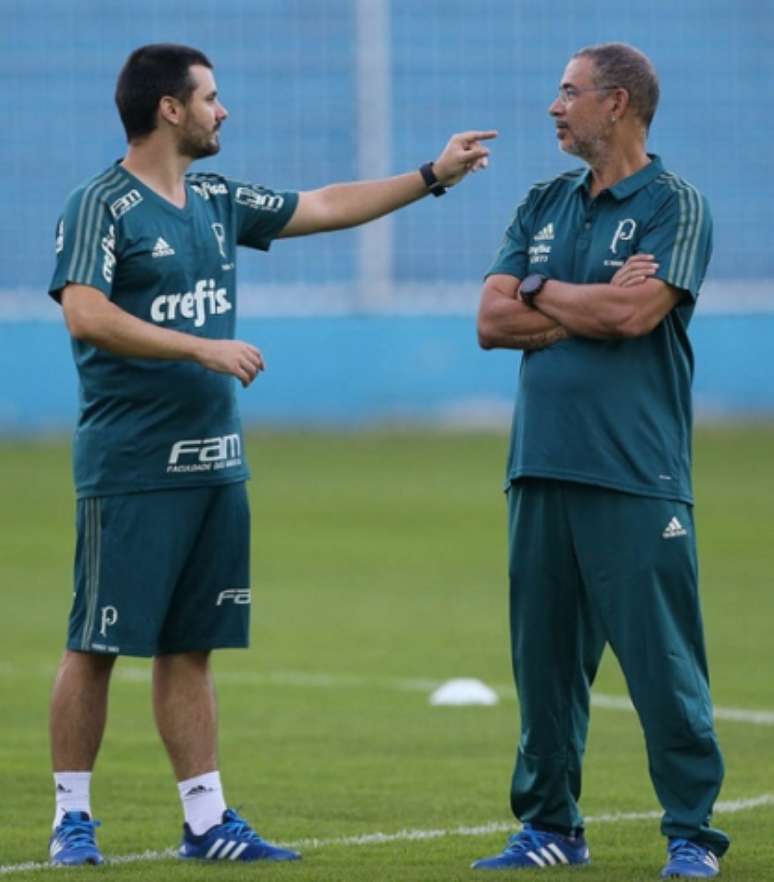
134	674
337	681
728	807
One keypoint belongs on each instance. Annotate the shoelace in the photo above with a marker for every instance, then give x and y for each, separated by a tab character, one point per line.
239	828
687	851
78	832
526	840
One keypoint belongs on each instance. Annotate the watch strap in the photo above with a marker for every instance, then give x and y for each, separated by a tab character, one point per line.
431	181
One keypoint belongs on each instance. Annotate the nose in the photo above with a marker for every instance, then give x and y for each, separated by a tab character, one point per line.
556	107
222	113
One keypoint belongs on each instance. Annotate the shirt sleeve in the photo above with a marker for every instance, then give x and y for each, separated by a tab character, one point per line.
512	258
261	214
85	245
680	237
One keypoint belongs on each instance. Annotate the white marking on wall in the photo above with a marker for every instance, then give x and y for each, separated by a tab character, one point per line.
717	299
374	147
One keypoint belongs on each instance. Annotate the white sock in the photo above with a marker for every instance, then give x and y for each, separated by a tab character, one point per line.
72	794
203	803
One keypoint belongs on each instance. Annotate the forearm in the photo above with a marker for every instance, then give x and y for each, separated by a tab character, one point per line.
103	324
348	205
506	323
606	311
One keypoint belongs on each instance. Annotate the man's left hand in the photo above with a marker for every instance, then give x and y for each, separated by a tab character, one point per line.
464	153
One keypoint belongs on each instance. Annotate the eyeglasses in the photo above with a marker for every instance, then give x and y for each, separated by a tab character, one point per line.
567	94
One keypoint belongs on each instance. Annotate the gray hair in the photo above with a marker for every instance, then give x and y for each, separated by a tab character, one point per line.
623	66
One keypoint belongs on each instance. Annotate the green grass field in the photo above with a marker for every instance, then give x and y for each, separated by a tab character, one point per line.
379	569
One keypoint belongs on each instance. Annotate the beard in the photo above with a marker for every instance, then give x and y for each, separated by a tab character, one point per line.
197	145
591	150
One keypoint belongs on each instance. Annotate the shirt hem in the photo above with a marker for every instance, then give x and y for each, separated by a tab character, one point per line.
578	478
119	490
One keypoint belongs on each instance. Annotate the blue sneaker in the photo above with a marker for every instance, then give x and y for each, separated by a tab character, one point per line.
532	848
688	860
234	840
72	843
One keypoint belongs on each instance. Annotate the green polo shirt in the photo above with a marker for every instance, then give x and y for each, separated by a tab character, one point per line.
154	424
614	413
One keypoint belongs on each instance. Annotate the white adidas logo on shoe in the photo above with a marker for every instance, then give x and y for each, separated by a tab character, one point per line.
674	529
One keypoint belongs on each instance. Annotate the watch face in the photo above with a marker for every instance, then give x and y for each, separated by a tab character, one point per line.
532	283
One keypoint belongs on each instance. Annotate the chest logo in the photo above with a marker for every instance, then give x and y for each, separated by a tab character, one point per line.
220	235
162	248
546	234
623	233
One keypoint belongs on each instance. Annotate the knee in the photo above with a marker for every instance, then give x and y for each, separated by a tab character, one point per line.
88	664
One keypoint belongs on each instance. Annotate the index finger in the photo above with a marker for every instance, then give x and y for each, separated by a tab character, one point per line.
479	136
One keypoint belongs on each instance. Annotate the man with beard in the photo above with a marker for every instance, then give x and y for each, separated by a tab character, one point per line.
596	281
146	276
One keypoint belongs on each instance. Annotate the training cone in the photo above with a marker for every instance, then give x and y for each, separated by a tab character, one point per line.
464	690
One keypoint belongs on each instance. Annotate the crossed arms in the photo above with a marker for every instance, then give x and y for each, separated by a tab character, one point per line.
631	305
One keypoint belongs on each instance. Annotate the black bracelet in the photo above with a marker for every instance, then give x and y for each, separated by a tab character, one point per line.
431	181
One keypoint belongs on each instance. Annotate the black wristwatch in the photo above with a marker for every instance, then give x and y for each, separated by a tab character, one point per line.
431	181
531	286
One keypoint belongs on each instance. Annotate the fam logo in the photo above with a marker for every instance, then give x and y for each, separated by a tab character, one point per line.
205	454
205	300
239	596
125	203
623	233
60	236
259	201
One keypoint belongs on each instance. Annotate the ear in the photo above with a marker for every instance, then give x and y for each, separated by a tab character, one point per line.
170	109
620	99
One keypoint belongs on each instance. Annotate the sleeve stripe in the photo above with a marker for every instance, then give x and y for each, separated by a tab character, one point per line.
689	227
106	193
90	196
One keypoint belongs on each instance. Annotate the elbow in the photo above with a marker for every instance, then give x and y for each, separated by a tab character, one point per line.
632	326
485	332
79	326
626	323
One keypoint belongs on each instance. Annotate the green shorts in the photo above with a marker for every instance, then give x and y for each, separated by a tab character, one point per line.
161	572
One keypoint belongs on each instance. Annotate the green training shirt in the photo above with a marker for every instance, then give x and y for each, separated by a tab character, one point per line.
148	424
615	413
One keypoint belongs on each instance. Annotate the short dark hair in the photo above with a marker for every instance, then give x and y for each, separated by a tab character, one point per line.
621	65
150	73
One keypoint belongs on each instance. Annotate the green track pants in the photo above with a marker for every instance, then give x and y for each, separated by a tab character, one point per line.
590	566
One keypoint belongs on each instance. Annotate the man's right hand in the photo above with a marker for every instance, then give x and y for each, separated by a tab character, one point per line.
241	360
637	269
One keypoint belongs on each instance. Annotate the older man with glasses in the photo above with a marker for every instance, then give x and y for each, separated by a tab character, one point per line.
596	281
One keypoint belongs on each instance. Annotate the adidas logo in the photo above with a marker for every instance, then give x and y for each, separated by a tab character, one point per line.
198	790
546	233
673	529
162	248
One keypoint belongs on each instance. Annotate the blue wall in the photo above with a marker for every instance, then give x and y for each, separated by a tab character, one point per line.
287	71
361	371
